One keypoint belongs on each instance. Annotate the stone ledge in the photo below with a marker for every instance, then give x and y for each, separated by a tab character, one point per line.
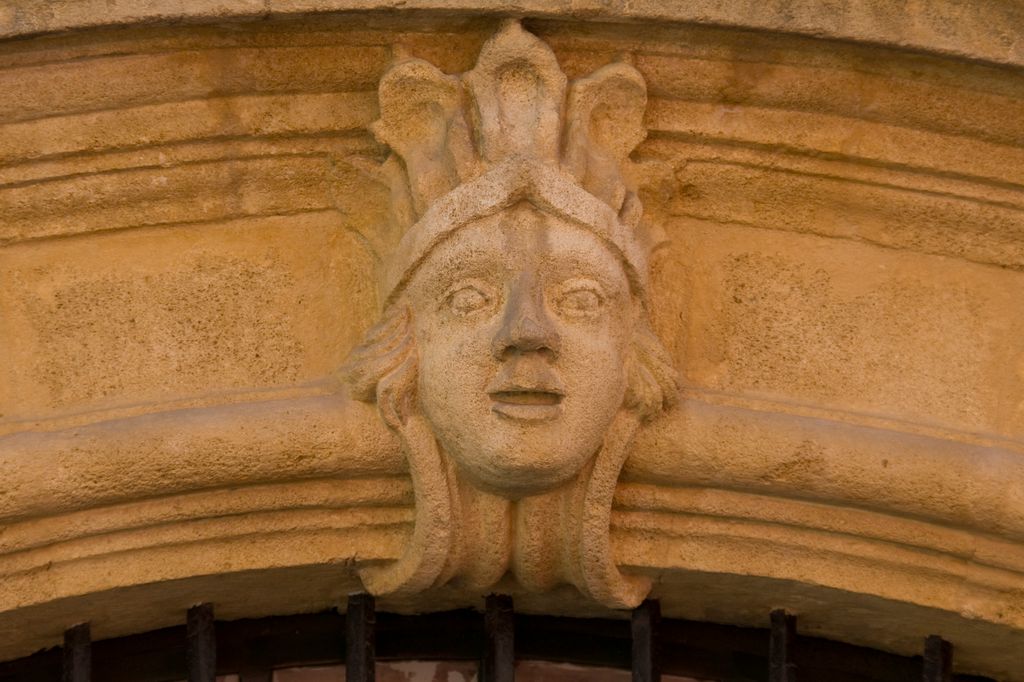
311	482
977	30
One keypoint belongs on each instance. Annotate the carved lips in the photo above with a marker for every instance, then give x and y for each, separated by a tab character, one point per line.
527	391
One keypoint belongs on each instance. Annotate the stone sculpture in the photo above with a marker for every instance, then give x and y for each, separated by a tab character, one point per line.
514	357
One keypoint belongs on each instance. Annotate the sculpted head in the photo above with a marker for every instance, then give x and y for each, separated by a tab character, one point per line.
514	356
528	338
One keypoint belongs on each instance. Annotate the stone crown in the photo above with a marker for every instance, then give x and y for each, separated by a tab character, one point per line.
509	130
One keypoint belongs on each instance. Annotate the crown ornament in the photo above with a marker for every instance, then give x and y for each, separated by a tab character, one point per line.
511	129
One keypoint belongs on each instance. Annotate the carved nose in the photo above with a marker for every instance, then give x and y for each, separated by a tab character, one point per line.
526	328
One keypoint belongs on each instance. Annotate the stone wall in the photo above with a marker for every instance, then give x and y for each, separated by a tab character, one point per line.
186	258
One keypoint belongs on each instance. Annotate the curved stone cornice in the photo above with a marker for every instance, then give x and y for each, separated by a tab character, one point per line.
856	511
979	30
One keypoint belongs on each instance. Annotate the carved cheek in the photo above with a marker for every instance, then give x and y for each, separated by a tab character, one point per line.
597	347
460	351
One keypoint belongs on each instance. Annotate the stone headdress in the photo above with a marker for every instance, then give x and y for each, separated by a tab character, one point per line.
512	129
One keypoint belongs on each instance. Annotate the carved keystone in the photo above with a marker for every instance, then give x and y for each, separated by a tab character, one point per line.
514	357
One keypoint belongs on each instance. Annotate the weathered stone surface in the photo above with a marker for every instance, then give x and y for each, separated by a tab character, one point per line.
188	252
514	357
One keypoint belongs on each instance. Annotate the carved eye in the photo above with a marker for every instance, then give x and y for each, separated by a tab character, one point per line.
580	301
467	299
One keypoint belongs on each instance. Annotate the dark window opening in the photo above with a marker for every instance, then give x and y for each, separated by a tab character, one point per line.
498	644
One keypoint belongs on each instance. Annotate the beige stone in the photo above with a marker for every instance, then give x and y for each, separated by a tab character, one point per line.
514	358
193	239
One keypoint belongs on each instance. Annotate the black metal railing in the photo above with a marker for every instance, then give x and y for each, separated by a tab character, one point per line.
646	644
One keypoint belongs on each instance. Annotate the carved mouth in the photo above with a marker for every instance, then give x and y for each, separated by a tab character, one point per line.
527	404
527	397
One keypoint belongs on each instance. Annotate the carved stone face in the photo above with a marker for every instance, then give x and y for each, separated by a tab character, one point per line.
522	322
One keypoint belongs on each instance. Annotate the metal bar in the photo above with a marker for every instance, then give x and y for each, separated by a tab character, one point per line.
201	644
644	630
938	660
781	646
499	659
77	654
694	649
360	639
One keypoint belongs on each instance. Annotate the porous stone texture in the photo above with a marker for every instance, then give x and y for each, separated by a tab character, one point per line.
514	358
190	249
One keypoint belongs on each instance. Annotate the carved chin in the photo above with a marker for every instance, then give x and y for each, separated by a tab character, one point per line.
524	450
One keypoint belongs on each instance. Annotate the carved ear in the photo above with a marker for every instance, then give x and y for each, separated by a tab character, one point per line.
518	92
605	123
417	106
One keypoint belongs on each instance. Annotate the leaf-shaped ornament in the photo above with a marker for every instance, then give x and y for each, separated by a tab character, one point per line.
517	89
417	105
604	125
